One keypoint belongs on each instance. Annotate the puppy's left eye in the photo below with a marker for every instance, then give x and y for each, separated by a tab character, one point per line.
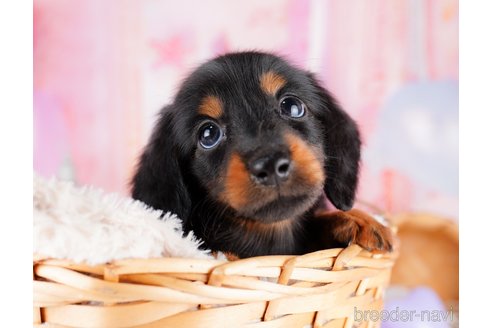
292	107
209	135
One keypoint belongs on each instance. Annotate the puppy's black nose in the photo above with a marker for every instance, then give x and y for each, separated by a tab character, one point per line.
271	169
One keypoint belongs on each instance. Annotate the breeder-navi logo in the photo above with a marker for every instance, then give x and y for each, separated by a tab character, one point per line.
403	315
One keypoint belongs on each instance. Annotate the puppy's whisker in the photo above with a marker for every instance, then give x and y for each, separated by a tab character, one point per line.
260	127
333	157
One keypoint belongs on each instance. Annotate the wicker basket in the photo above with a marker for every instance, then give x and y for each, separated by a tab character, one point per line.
429	254
321	289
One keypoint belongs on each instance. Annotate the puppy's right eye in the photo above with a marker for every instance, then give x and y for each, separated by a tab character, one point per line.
209	135
292	107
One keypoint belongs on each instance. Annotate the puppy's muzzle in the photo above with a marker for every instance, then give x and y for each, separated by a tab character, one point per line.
270	170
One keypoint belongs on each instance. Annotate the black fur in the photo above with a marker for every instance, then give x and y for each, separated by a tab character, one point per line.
176	174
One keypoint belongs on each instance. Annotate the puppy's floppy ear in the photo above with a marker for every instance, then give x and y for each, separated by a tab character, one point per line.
341	142
158	181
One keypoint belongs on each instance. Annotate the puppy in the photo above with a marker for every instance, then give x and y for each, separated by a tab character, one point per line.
245	156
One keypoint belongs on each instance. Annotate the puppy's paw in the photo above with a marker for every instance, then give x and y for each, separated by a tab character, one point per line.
357	227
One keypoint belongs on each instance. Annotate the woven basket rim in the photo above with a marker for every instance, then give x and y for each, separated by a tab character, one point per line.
278	290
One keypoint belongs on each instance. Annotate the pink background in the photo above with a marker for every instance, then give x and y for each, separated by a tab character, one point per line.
103	69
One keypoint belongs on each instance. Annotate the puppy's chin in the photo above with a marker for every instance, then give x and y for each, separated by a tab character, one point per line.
281	208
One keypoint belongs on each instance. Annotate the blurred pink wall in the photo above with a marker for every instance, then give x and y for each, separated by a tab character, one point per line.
103	69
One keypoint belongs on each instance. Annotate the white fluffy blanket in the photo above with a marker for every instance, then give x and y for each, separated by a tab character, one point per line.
87	225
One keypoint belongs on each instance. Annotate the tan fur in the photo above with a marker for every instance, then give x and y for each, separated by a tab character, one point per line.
303	157
211	106
356	226
266	228
271	82
237	183
230	256
239	190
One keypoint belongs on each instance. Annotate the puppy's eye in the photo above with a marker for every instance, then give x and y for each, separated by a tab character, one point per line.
209	135
292	107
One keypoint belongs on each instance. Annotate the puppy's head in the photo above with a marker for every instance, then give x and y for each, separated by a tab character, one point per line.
254	134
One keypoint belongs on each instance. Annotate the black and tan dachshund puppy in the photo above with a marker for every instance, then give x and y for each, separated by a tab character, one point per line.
245	156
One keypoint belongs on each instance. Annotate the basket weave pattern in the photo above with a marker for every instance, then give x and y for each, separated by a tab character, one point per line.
321	289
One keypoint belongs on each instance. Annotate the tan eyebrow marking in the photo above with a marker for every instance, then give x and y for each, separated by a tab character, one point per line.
271	82
211	106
